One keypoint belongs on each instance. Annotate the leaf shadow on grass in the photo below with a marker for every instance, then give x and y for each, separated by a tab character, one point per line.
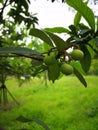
23	119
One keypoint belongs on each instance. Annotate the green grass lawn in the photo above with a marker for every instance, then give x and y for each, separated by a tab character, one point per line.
64	105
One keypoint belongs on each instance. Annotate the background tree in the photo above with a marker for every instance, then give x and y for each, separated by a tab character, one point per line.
15	21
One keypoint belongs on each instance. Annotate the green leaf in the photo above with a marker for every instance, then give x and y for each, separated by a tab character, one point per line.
59	42
46	47
57	30
86	61
2	2
73	29
80	77
97	24
96	41
83	26
25	4
92	47
77	18
84	10
18	50
85	32
77	66
28	1
53	72
42	35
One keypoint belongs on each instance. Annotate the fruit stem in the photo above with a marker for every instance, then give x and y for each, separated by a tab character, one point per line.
51	50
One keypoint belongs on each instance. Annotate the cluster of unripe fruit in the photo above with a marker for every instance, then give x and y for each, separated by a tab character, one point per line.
65	67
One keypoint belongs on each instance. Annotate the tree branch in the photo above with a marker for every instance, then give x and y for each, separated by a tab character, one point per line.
23	55
1	13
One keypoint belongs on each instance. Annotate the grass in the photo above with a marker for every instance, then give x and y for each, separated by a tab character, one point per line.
65	105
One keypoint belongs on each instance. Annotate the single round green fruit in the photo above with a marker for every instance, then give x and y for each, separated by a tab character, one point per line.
49	60
77	54
66	69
